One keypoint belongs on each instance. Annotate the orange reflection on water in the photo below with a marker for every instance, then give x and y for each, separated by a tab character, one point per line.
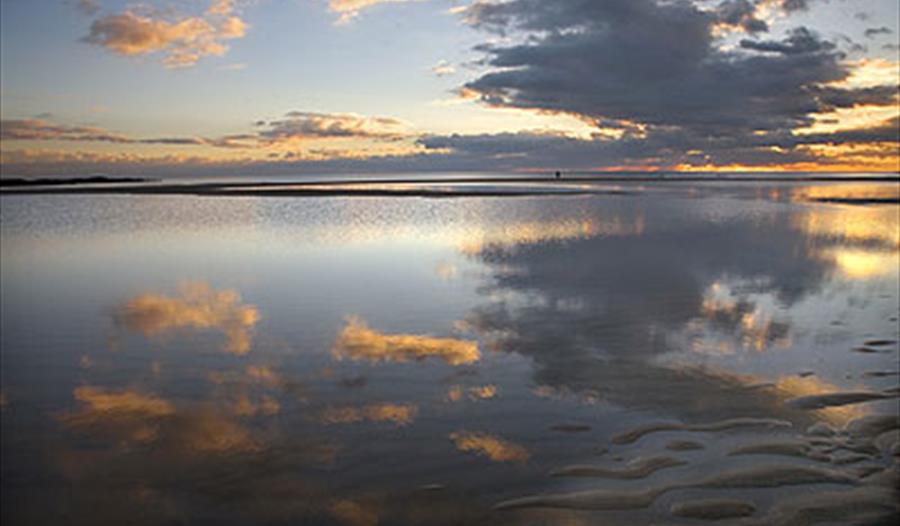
530	233
846	191
400	414
199	306
875	225
795	386
357	341
101	400
484	392
126	416
265	405
210	432
863	264
352	513
867	237
490	446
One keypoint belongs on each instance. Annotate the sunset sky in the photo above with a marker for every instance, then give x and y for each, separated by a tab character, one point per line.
277	87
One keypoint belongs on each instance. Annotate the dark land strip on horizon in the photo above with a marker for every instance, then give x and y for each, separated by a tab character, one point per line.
368	187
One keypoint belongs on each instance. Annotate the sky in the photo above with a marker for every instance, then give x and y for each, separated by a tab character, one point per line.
280	87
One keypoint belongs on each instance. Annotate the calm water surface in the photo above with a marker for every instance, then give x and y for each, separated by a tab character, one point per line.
362	361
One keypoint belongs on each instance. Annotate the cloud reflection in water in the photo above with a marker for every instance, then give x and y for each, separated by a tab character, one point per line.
357	341
199	306
399	414
490	446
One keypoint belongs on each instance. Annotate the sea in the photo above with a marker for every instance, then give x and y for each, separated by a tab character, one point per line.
610	352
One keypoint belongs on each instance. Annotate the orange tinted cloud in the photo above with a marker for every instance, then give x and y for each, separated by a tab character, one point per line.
350	9
358	342
42	130
303	125
183	40
198	307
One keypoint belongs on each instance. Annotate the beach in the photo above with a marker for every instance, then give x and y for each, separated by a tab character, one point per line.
521	352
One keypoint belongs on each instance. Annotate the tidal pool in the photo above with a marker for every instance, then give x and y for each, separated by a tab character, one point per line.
668	352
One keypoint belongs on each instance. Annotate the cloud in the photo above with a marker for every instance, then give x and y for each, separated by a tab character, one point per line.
43	130
199	306
357	341
350	9
848	137
658	72
799	41
296	126
490	446
443	69
742	14
303	125
872	32
183	40
88	7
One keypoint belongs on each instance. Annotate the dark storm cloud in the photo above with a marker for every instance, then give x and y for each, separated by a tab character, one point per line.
799	41
658	65
741	13
872	32
655	64
662	147
794	5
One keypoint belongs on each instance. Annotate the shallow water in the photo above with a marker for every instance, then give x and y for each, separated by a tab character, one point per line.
404	360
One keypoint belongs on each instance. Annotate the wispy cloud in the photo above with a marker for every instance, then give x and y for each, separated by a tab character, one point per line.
300	125
44	130
88	7
294	127
350	9
872	32
443	69
182	40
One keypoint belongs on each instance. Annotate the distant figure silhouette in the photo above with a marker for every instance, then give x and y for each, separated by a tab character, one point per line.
558	174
